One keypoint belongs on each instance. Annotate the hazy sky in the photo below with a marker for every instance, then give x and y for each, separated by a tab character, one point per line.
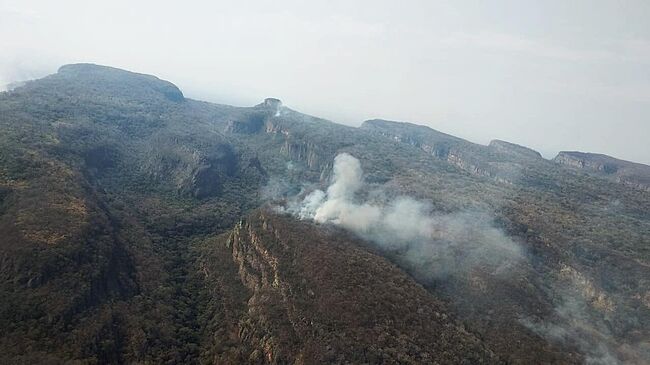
552	75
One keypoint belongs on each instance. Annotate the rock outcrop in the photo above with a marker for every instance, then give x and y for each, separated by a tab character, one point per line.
475	159
329	300
271	103
117	201
250	124
628	173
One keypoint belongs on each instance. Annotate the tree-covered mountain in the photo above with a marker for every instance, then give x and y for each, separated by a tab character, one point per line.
140	226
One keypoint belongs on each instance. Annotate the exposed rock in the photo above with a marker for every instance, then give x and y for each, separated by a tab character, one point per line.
328	300
250	124
430	140
197	173
271	106
303	151
599	163
628	173
456	151
103	268
220	163
271	103
261	116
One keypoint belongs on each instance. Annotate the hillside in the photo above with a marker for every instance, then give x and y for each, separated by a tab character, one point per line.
632	174
321	300
141	226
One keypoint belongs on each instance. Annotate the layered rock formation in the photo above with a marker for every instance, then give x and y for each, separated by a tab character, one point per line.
327	300
631	174
130	233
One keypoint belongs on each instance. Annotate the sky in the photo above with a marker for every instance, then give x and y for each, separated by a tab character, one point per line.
551	75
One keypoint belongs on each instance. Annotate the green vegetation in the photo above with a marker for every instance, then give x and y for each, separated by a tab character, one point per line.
117	197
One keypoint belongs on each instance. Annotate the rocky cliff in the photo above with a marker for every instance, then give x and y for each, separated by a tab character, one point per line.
328	300
631	174
499	161
130	232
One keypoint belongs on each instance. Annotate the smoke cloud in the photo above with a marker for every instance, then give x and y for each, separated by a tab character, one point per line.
434	245
437	246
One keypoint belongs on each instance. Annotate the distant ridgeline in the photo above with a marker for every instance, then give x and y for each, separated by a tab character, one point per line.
632	174
140	226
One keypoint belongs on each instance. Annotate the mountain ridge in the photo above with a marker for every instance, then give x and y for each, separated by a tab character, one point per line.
174	93
116	203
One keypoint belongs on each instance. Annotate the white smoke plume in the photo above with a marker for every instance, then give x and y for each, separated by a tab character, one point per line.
403	219
438	245
433	244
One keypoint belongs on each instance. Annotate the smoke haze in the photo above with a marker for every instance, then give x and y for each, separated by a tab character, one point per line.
551	75
436	246
433	244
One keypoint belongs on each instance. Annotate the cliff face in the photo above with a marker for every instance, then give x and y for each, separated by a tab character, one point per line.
115	195
631	174
598	163
500	160
329	300
287	136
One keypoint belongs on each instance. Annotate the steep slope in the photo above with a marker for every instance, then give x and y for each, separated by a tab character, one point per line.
115	189
105	174
631	174
502	161
325	299
561	217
